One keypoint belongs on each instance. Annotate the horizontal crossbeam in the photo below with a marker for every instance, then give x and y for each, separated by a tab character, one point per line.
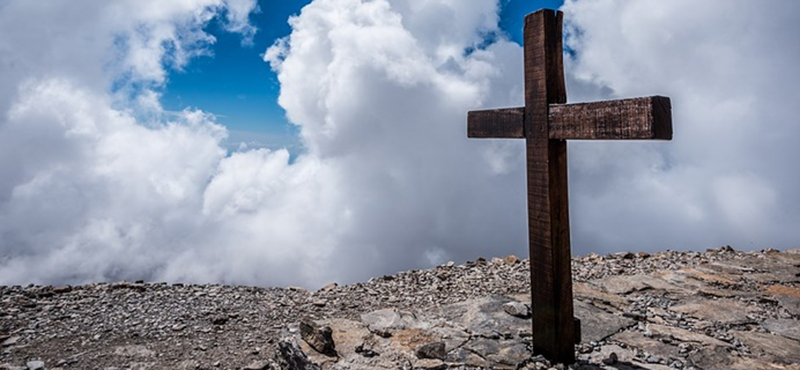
644	118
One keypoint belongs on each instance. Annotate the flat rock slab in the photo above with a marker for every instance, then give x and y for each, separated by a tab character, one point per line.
786	327
597	324
725	311
770	346
633	283
683	335
653	346
584	291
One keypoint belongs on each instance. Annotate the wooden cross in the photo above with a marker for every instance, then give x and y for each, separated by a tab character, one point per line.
546	123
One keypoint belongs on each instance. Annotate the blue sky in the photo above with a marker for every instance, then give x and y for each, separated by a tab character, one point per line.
238	87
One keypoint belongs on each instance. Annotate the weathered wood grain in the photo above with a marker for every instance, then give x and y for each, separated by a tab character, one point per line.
548	209
645	118
639	118
496	123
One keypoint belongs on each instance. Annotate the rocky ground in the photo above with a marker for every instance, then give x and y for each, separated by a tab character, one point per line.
721	309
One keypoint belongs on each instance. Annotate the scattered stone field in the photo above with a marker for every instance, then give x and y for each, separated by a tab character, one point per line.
720	309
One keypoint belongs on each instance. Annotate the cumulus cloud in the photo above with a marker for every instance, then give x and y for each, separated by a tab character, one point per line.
727	176
98	183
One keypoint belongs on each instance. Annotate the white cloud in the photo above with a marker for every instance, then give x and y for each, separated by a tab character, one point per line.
726	178
98	183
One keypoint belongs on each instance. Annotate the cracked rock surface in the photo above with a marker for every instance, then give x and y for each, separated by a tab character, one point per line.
721	309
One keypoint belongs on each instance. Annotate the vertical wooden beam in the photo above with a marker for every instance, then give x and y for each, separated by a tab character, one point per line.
548	209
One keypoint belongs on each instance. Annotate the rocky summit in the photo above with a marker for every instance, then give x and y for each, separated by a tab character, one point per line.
722	309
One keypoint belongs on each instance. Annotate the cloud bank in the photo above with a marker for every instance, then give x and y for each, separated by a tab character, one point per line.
97	182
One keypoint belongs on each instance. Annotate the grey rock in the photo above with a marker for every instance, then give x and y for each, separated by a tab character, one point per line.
258	365
35	365
719	310
786	327
366	350
597	324
12	367
611	359
134	351
598	297
790	303
770	346
434	350
319	338
617	284
711	358
483	317
290	357
517	309
499	352
11	341
638	340
673	333
388	320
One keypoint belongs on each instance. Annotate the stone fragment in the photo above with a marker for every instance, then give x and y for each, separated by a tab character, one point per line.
498	352
786	327
10	341
190	364
517	309
467	357
319	338
597	324
364	349
328	287
611	359
770	346
711	358
35	365
134	351
432	350
389	319
429	364
62	289
12	367
453	337
258	365
653	359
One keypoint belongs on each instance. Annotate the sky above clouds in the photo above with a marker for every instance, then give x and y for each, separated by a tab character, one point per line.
107	174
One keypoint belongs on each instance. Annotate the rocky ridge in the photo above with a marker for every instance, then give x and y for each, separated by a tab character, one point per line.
722	309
